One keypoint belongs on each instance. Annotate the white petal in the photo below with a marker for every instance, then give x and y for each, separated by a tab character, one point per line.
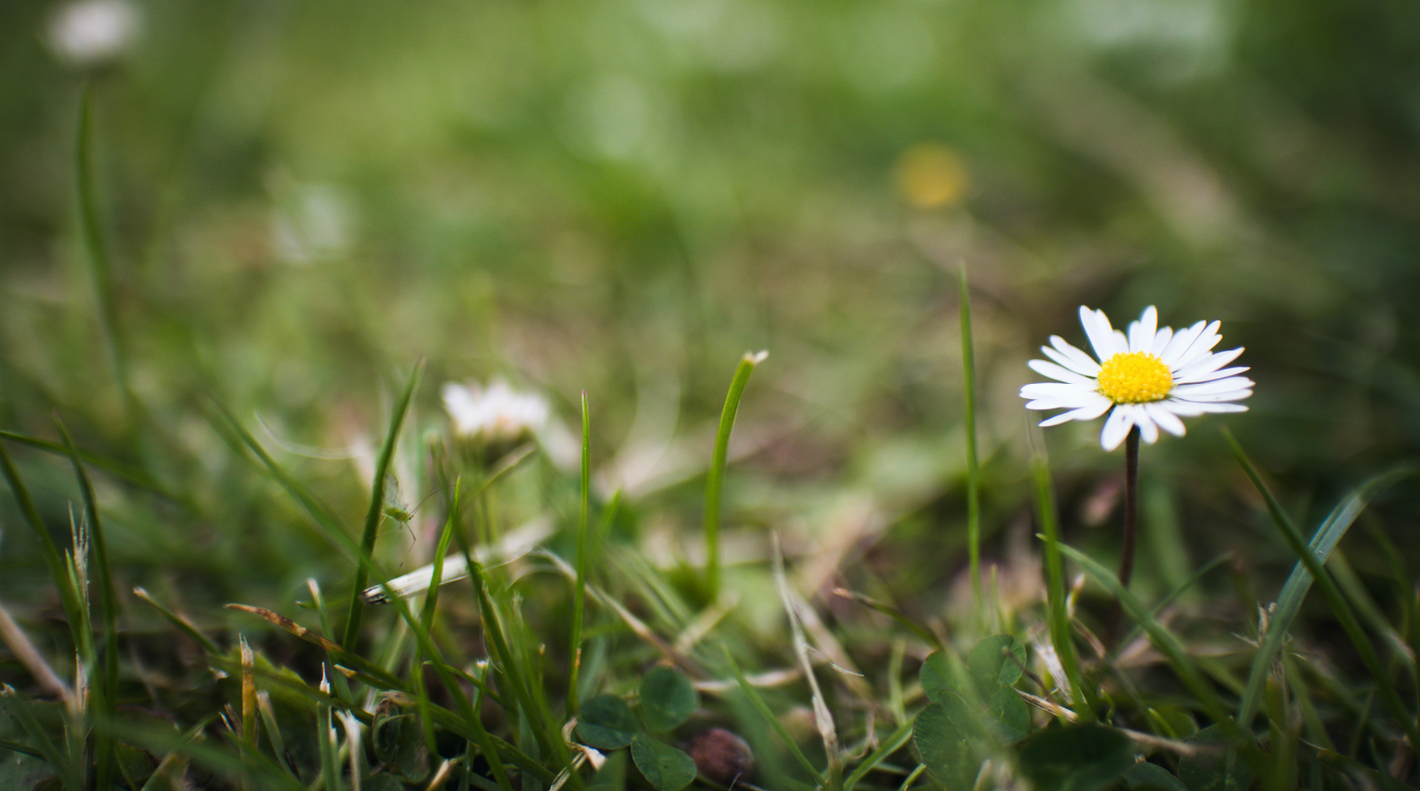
1121	341
1161	340
1205	343
1101	335
1231	395
1081	413
1210	376
1196	408
1225	407
1147	430
1060	372
1180	341
1057	390
1052	403
1080	361
1166	419
1116	428
1208	362
1141	332
1204	388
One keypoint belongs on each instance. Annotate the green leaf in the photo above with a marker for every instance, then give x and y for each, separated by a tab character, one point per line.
949	741
1213	770
667	768
936	676
398	739
1076	758
991	664
18	770
667	699
1010	716
1151	777
606	723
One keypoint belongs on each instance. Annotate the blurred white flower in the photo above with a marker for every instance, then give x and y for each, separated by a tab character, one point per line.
495	414
311	221
1149	378
93	32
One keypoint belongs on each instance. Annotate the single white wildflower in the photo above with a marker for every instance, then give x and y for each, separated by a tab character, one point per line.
93	32
495	414
1148	378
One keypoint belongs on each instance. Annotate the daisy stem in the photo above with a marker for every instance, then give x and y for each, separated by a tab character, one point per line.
973	468
1131	529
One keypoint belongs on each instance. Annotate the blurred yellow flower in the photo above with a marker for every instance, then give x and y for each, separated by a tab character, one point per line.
932	175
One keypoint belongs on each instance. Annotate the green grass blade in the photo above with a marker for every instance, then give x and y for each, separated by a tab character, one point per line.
100	266
922	632
1334	598
894	743
1289	601
764	711
107	689
53	560
1174	594
377	506
716	477
11	702
180	623
1060	634
1168	645
132	475
579	593
973	467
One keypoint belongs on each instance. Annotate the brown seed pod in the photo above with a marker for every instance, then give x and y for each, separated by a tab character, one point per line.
720	755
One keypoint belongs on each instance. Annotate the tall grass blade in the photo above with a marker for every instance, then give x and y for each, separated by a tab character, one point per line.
10	701
377	507
579	592
1334	598
100	266
53	560
1060	636
106	691
1289	601
764	711
717	469
973	467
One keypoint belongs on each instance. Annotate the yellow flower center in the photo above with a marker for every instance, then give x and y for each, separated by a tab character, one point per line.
1134	378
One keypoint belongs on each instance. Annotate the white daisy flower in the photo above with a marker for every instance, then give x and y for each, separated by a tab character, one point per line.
495	414
1148	378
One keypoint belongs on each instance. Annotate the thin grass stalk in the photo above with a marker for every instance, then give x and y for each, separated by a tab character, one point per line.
1334	598
973	466
325	739
377	506
39	738
716	477
764	711
1060	636
895	742
53	560
104	747
579	592
100	266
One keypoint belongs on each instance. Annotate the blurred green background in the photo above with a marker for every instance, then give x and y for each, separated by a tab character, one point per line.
300	199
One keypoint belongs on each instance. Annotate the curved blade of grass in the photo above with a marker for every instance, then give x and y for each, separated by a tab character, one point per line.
132	475
579	591
53	560
1161	637
107	690
973	468
894	743
1174	594
377	507
768	715
1060	635
1334	598
717	469
916	628
10	701
1289	601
